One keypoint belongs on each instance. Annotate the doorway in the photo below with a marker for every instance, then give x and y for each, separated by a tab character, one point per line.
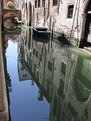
87	34
89	28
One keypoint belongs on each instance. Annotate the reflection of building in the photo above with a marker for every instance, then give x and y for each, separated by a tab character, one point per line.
23	71
71	92
11	36
62	75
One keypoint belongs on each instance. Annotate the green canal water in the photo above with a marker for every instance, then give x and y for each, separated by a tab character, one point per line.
48	81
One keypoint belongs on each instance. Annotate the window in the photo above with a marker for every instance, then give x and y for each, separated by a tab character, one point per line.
35	3
54	2
38	3
63	69
43	3
26	5
70	11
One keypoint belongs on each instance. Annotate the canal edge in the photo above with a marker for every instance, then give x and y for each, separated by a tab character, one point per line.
4	112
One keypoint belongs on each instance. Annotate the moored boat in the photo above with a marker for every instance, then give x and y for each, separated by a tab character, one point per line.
41	32
41	39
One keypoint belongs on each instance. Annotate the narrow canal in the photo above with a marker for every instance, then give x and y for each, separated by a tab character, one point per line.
48	81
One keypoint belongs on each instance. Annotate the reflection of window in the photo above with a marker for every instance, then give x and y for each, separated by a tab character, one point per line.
37	54
33	51
50	66
55	106
40	57
63	68
48	85
38	3
35	3
37	76
70	11
43	3
30	54
61	88
26	5
24	75
22	68
39	63
54	2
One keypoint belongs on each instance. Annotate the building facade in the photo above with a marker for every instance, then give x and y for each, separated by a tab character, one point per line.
71	17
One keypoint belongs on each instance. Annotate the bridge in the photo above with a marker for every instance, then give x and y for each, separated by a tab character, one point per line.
14	11
8	16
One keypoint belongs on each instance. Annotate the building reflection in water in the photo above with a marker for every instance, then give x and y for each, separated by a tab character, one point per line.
62	74
12	36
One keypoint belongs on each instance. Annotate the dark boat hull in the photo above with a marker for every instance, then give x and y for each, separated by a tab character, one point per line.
40	39
41	32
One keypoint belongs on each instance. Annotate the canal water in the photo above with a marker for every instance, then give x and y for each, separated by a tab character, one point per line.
48	80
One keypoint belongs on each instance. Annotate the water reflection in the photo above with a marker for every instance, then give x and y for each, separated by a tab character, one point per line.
62	74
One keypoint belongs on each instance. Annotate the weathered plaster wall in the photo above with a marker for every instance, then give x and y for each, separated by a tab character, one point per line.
56	16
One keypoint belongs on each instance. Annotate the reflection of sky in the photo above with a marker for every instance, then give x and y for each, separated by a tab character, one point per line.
24	102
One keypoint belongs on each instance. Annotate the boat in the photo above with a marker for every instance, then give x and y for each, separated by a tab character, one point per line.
63	40
41	32
41	39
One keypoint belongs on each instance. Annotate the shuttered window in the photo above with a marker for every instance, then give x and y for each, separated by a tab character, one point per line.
38	3
35	3
55	2
70	11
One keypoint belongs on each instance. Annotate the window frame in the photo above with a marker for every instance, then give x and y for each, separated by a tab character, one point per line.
63	68
70	11
35	3
55	2
39	3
